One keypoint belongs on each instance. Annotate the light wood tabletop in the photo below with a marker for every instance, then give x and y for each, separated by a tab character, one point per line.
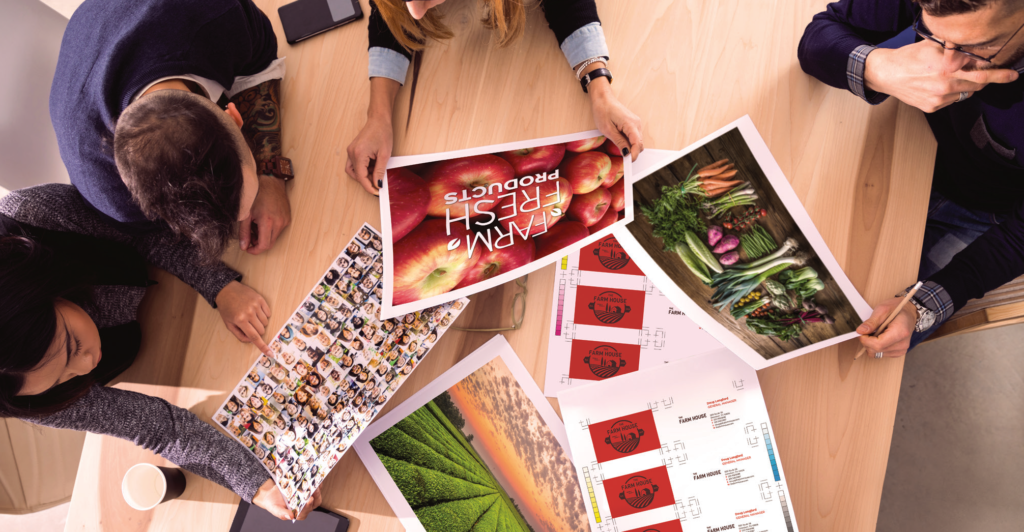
686	68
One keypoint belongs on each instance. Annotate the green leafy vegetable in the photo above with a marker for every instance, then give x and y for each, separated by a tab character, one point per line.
693	263
673	214
701	252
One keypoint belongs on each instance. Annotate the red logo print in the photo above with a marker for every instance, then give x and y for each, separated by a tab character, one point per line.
624	436
596	361
639	492
606	255
610	307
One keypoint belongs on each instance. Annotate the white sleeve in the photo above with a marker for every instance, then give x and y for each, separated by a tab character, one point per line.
274	71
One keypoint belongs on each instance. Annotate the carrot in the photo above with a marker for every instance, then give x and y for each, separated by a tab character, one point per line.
714	183
713	169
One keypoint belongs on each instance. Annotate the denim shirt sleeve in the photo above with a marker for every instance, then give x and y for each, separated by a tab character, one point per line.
387	63
855	75
584	43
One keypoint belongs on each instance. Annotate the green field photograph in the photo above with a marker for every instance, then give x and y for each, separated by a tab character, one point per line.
480	458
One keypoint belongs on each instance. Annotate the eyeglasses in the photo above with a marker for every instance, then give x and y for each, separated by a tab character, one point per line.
923	32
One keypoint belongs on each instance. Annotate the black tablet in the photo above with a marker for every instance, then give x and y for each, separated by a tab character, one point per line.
251	518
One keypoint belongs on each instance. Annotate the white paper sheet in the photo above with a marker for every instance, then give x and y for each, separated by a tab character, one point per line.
684	446
512	446
417	291
859	309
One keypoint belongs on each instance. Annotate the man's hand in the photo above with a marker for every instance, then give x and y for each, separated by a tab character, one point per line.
270	499
270	212
614	120
369	152
245	313
895	341
921	76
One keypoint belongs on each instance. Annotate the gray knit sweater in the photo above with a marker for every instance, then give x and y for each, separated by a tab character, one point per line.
150	422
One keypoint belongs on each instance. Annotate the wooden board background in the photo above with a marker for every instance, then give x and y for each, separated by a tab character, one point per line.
686	68
779	223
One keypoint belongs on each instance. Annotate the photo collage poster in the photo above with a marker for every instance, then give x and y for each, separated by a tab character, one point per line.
335	365
690	447
608	319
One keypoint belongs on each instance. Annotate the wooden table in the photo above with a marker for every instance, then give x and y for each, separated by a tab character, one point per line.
686	68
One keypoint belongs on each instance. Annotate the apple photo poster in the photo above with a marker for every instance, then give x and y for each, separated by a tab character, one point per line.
457	223
722	233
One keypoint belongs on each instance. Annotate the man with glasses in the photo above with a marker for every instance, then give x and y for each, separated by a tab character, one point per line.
963	71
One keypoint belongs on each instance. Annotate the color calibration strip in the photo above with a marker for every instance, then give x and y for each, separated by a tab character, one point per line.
593	498
785	510
771	451
561	305
565	262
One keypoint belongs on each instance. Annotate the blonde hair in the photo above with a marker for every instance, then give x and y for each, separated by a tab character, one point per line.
508	17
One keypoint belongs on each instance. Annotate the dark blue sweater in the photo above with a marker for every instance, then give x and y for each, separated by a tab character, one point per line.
113	48
980	158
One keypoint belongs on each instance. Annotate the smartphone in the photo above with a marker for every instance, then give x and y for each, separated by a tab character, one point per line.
251	518
306	18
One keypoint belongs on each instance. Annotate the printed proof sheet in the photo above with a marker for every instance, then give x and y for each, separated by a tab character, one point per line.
609	319
458	223
480	448
335	364
683	446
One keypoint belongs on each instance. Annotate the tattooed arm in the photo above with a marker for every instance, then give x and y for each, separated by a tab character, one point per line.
261	127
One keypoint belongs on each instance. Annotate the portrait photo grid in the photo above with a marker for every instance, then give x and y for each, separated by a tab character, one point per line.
335	365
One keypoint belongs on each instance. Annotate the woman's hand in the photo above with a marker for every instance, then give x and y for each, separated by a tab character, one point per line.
614	120
369	152
270	212
245	313
895	340
270	499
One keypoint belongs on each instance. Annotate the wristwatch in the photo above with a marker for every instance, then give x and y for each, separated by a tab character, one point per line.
279	167
925	317
594	74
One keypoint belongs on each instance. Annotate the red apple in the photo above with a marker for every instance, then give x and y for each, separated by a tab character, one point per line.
537	160
609	218
590	207
615	174
558	238
498	261
424	265
586	171
460	177
408	197
579	146
552	197
618	191
611	149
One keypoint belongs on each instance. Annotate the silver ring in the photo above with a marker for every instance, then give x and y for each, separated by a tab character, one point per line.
963	96
879	354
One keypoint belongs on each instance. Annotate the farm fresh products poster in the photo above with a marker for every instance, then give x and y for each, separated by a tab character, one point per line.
461	222
479	448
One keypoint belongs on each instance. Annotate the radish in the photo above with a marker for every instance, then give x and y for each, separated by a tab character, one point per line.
729	258
715	234
727	243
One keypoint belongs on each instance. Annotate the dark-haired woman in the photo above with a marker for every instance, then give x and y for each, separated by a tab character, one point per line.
399	27
70	287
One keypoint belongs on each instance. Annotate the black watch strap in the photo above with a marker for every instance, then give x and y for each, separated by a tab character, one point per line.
594	74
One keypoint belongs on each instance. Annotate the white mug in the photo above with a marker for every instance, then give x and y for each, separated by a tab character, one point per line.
145	485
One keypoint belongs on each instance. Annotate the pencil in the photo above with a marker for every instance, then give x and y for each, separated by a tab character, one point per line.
892	315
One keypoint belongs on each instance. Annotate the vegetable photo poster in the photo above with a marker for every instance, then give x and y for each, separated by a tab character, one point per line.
608	319
334	366
458	223
480	448
722	233
689	447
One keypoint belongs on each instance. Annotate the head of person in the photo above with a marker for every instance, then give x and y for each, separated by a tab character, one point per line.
185	162
986	29
51	345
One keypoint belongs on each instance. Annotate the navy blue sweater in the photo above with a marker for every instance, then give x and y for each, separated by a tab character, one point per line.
113	48
980	158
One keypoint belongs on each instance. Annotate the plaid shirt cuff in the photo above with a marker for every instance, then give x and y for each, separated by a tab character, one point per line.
855	75
934	297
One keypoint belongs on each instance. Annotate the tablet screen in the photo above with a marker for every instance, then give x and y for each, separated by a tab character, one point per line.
255	519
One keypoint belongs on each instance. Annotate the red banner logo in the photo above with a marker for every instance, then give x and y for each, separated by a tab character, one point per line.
610	308
606	255
595	361
624	436
639	492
